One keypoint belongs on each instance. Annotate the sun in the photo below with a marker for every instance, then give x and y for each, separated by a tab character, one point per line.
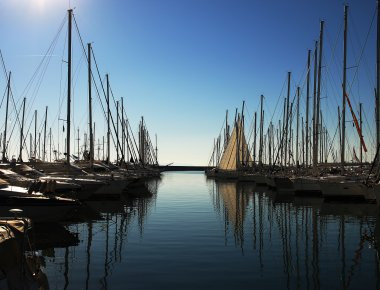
40	4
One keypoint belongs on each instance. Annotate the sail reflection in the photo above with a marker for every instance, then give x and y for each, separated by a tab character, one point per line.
302	234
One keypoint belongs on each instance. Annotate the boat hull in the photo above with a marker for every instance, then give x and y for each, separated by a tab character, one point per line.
344	190
307	186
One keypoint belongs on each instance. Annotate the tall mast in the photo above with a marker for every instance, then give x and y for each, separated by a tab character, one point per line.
282	133
108	121
31	143
270	143
303	141
315	157
237	137
241	135
254	140
50	144
142	142
319	84
35	134
44	149
297	125
339	128
307	107
122	132
93	140
227	133
261	130
39	145
156	152
78	139
117	132
6	120
127	139
70	14
344	87
321	139
22	130
361	130
287	119
90	108
315	102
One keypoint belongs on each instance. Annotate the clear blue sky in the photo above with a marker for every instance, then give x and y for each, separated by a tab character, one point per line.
181	64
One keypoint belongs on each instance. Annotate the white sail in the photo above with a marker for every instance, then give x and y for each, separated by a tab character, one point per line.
236	153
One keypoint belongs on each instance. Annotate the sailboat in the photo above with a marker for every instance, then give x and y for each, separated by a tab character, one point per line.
35	205
235	157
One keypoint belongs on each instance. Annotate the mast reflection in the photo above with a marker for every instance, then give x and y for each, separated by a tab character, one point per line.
309	233
105	238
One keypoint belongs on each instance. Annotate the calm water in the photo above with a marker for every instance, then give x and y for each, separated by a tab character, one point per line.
198	234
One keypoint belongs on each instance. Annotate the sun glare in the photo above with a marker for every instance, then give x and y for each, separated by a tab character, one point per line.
40	4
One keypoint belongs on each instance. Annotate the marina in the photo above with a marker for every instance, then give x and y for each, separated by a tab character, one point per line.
105	181
187	231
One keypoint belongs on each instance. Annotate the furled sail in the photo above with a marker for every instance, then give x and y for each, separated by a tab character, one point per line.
236	154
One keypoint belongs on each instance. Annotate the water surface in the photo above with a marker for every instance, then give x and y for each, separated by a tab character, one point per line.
195	233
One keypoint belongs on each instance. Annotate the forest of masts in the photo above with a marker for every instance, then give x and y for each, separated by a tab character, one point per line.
305	140
36	138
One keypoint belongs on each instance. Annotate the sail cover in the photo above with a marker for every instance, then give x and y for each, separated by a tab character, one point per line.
236	154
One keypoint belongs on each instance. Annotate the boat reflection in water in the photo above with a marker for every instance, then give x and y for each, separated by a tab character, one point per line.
313	241
102	238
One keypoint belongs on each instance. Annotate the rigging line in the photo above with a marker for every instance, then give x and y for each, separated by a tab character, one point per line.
93	55
41	76
97	69
13	102
84	51
369	128
102	86
278	99
26	89
251	127
2	61
282	137
61	91
10	136
220	132
362	51
130	145
76	77
5	92
371	80
332	140
116	144
302	77
5	72
133	136
333	47
17	114
6	77
30	105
